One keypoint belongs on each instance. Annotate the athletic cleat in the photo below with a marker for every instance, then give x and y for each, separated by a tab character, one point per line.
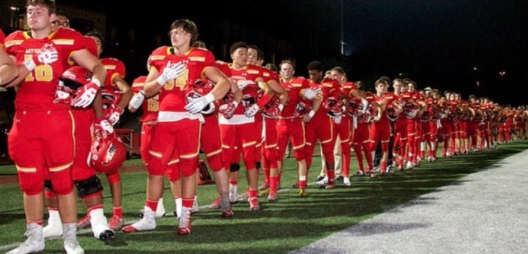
73	247
322	181
225	205
116	223
195	207
233	193
265	185
216	203
346	181
84	222
264	192
253	204
107	235
410	165
148	222
330	185
69	237
272	197
303	192
52	231
184	227
34	242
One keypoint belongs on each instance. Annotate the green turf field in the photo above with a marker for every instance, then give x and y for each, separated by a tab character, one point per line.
289	223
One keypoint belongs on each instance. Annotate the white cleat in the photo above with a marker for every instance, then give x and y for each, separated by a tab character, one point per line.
73	247
410	165
52	231
323	181
148	222
346	181
34	242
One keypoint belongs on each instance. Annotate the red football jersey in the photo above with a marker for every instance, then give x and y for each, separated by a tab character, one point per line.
294	88
113	67
249	73
2	38
329	87
172	95
37	90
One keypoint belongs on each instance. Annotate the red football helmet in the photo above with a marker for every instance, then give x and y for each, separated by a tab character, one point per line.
75	77
410	110
302	108
110	100
107	155
333	107
198	89
354	107
390	112
271	109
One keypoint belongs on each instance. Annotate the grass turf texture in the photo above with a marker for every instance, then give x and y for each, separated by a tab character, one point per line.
290	223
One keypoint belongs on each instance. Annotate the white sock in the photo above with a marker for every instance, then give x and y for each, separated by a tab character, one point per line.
179	205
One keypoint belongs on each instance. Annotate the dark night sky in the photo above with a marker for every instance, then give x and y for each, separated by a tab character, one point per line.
435	42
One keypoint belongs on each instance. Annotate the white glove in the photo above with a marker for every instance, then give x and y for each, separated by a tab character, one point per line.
197	105
252	111
281	107
137	100
171	72
243	83
337	119
45	57
103	127
113	118
309	94
86	94
62	94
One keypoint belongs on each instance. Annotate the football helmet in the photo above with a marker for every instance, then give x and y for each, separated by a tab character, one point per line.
271	110
426	116
107	155
75	77
390	112
410	110
198	89
333	107
302	108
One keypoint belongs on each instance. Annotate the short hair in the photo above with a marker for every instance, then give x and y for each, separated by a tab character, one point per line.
96	35
236	46
271	66
50	4
315	65
360	85
287	61
188	26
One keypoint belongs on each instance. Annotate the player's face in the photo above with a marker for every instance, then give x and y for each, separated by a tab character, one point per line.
240	56
315	75
179	37
38	17
98	43
338	76
410	88
286	71
60	21
397	86
252	56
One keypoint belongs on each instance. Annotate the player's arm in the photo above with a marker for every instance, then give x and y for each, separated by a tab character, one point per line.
126	91
85	59
8	68
223	85
276	87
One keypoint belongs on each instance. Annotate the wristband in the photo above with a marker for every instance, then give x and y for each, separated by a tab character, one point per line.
30	64
311	113
281	107
96	82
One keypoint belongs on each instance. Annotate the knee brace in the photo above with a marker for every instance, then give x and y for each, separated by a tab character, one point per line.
88	186
234	167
